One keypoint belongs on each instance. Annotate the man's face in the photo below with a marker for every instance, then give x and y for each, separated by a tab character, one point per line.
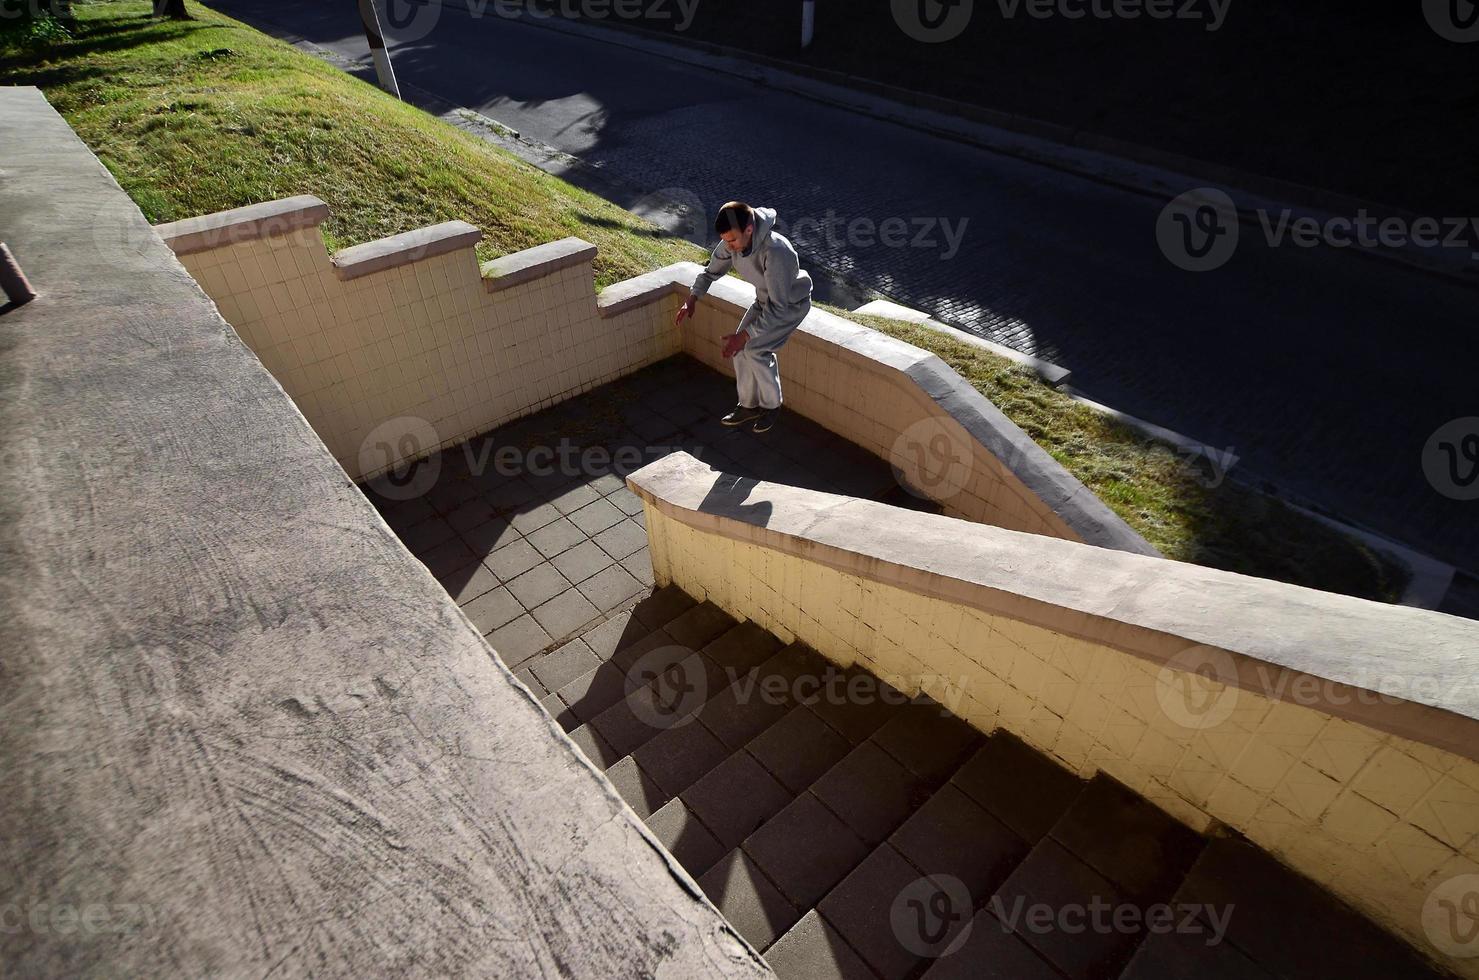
738	241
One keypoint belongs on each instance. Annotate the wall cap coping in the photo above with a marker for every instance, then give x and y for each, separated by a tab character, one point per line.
531	263
1075	504
629	294
1053	374
208	231
405	248
1399	669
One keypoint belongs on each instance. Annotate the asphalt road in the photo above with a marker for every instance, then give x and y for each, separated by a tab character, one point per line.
1325	372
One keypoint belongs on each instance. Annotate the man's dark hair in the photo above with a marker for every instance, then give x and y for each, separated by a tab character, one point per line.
734	216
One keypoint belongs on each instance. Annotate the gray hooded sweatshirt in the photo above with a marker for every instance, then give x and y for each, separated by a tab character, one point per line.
782	287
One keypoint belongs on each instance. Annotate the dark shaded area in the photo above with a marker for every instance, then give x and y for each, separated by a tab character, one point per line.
1364	99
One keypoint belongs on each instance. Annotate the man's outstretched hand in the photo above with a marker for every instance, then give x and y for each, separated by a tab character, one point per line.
735	342
685	311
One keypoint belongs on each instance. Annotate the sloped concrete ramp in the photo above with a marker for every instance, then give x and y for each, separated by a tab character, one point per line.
242	730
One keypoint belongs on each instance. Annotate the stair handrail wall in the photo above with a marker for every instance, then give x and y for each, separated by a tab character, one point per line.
1339	734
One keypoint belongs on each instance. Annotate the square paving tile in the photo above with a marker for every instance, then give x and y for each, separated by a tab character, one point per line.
685	838
592	693
533	516
513	560
470	514
622	539
798	749
596	517
564	664
446	558
526	677
554	538
860	910
662	607
595	748
519	640
427	535
618	631
610	588
748	900
489	536
735	797
574	498
813	950
640	567
625	501
700	625
806	850
469	582
1128	839
636	787
1052	878
677	757
582	561
1179	954
928	740
492	609
1025	789
993	952
871	792
538	585
565	613
952	834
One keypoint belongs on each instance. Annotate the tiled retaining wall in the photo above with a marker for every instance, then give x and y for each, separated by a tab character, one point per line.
411	327
1087	654
910	408
379	338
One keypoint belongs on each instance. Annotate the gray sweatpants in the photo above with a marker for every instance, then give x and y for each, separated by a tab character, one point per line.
757	377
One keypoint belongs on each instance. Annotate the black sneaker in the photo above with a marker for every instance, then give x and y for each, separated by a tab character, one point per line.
740	415
766	421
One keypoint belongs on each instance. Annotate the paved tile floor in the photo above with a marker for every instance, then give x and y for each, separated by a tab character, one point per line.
533	531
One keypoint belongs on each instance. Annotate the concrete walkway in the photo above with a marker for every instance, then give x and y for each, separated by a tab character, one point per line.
1324	371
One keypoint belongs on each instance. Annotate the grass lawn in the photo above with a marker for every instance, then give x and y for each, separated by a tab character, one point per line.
209	114
204	115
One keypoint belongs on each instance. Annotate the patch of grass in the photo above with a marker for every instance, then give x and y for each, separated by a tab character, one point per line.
209	114
1178	505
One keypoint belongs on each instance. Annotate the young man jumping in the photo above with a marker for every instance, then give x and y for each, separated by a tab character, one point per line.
766	260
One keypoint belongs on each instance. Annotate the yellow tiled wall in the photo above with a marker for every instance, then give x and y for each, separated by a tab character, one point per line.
425	339
1378	819
885	412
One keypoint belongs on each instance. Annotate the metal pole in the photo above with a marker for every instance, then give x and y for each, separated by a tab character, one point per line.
370	17
808	20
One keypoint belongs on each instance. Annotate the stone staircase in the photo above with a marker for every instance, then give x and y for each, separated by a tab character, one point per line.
810	802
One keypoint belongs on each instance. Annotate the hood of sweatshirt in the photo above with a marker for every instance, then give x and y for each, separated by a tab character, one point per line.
764	224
